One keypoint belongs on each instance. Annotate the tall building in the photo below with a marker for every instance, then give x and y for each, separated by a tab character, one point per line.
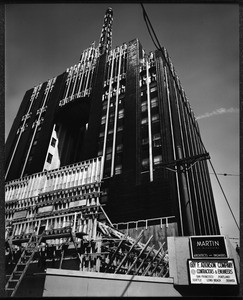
114	131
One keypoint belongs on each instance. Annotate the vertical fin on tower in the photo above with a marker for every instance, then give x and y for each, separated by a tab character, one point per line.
106	33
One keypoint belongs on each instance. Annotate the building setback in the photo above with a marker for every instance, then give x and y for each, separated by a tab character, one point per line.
120	122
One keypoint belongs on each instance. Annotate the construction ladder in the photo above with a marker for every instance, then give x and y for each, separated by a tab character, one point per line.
22	265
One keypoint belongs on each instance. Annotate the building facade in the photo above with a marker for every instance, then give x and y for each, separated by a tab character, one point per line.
114	130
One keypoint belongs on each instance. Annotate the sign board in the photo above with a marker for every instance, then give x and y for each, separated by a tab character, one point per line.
45	209
208	246
20	214
212	272
78	203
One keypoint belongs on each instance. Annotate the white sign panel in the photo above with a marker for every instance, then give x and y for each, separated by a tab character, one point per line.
45	209
212	272
20	214
77	203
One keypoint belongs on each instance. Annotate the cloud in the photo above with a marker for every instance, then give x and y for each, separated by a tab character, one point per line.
218	111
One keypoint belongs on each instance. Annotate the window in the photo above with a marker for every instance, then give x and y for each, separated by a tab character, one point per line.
104	105
120	128
158	159
53	142
144	121
103	120
145	164
101	134
156	136
154	102
119	148
110	131
118	169
155	118
144	106
49	158
153	89
108	156
121	113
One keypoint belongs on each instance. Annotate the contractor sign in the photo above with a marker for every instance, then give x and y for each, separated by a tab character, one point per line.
212	272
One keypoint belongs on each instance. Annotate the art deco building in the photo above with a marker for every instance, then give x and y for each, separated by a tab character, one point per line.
114	131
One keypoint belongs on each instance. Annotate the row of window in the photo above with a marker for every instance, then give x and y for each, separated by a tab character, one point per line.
156	139
154	118
157	160
153	102
112	114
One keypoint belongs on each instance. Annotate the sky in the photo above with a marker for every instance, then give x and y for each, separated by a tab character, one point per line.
43	40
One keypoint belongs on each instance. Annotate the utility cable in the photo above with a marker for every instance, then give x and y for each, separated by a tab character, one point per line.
149	26
169	68
225	174
224	195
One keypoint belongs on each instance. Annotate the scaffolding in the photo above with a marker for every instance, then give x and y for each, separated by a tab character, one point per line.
106	250
55	217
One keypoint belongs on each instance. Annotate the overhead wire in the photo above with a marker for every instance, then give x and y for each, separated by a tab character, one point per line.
148	23
225	197
158	47
225	174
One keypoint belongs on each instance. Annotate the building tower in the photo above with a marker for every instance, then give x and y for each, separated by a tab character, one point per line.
115	130
106	33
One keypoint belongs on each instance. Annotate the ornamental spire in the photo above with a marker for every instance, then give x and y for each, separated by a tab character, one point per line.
106	33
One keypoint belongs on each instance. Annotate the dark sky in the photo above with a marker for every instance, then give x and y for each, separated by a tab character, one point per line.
42	40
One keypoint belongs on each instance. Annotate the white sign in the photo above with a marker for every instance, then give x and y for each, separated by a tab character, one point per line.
20	214
77	203
45	209
212	272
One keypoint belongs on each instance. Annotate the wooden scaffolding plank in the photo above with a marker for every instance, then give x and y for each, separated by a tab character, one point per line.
115	253
157	264
153	259
141	252
130	250
143	260
75	246
162	270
